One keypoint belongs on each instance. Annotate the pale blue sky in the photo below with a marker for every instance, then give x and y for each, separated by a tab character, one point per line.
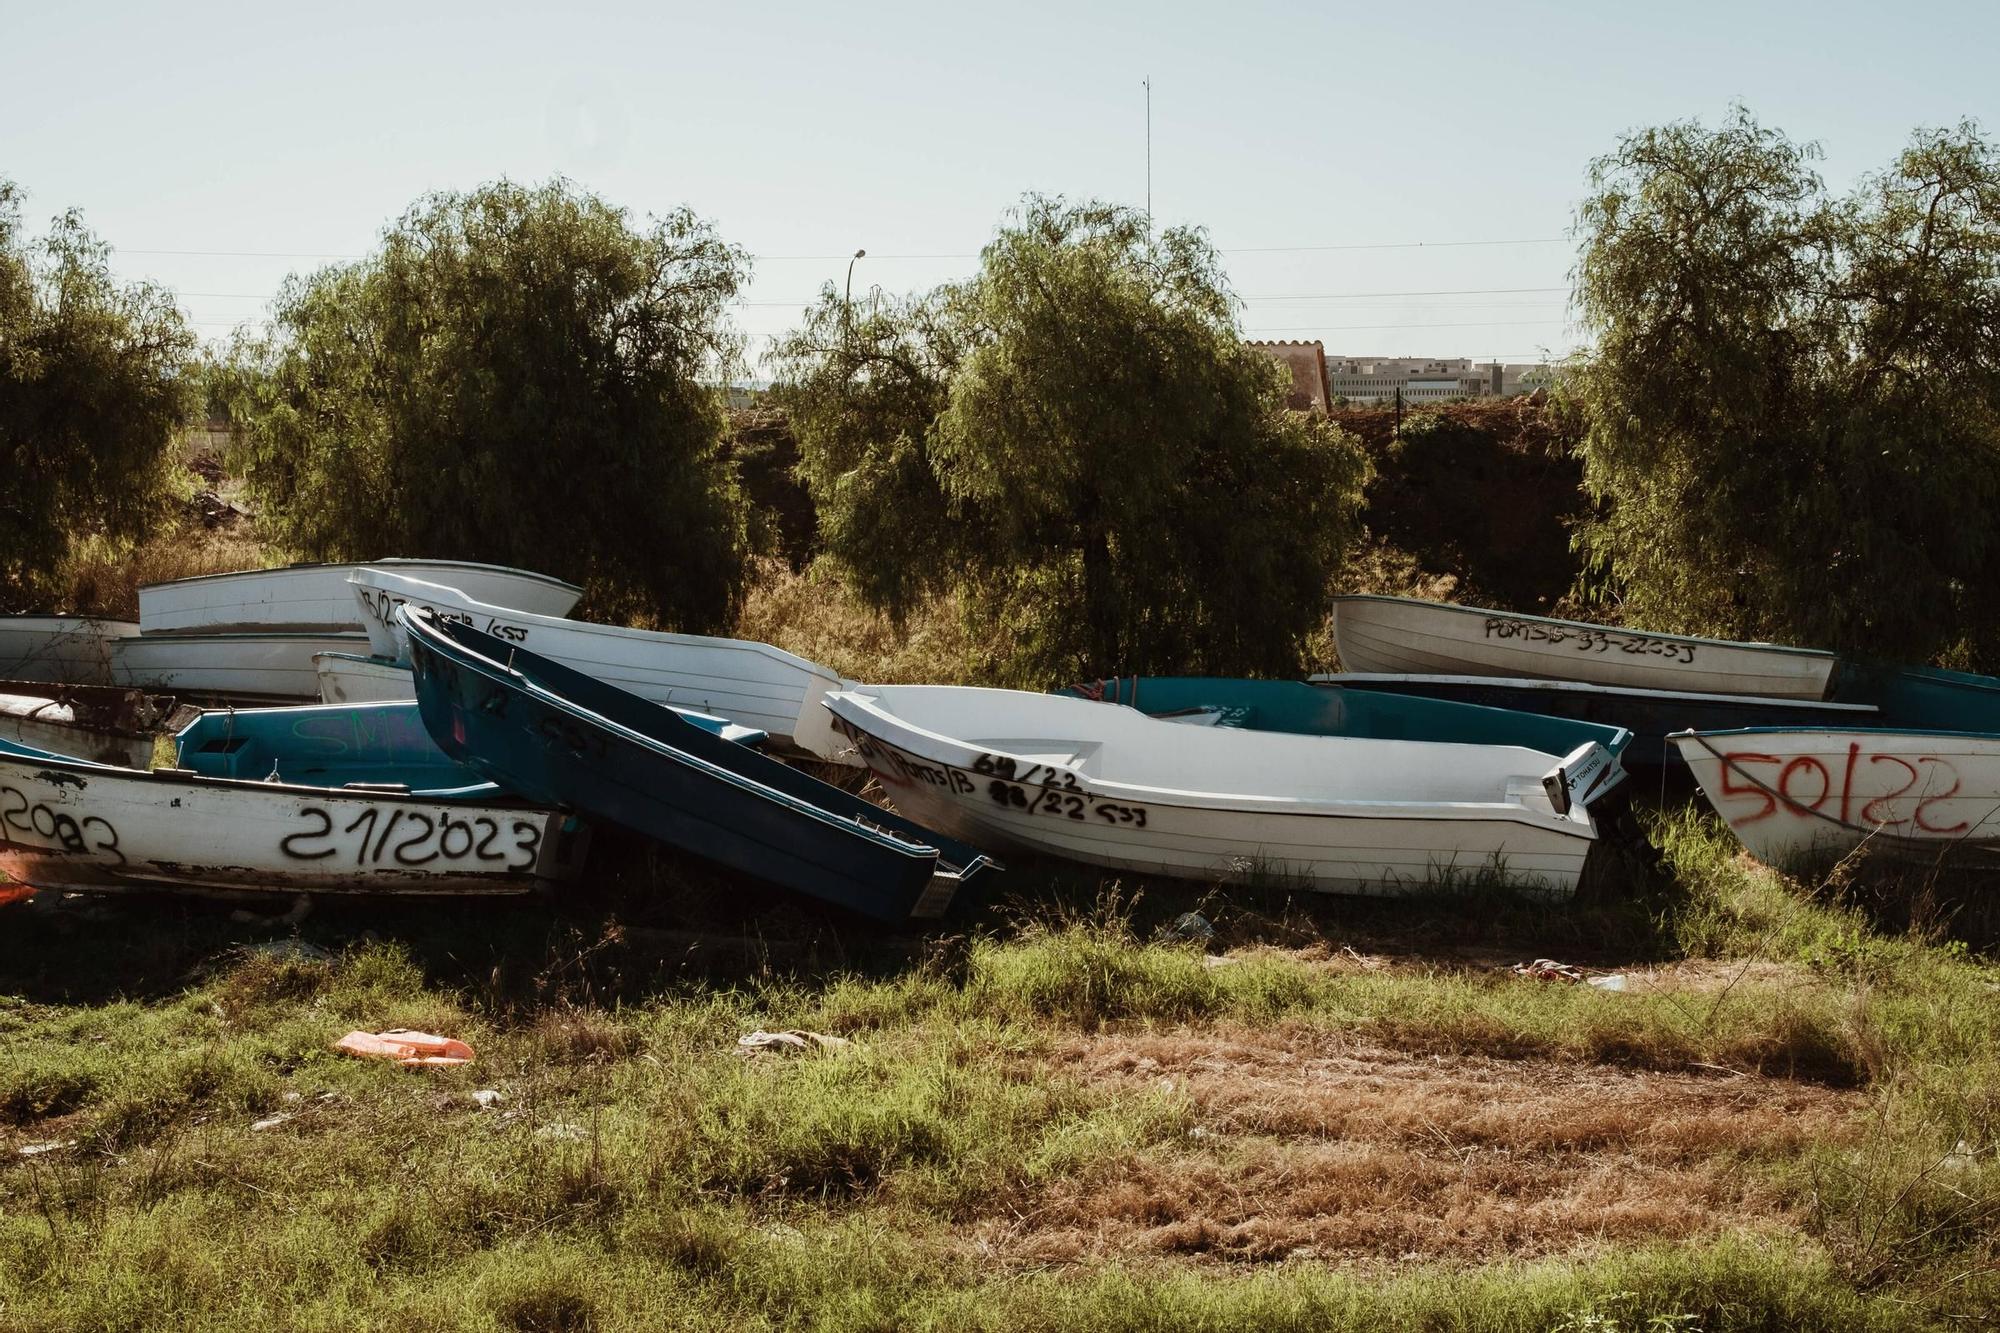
289	134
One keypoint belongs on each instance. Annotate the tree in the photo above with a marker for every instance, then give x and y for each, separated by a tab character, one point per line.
517	375
96	385
1793	400
1090	453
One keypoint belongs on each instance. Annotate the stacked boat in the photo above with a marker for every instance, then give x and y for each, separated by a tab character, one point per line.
1805	755
468	734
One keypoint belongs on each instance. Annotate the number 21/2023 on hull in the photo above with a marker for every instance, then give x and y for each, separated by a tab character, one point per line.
67	824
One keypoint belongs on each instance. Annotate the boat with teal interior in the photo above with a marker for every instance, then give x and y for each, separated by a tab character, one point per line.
380	745
555	735
1315	710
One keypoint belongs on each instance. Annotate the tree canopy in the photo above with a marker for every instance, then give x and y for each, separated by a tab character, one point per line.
1794	401
1079	442
96	385
518	375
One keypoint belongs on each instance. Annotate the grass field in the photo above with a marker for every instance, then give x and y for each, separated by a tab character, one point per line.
1056	1115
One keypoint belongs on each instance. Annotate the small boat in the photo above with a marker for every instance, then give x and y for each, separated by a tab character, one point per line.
1793	796
1112	787
1924	698
1403	635
557	735
228	668
96	722
1329	710
351	678
69	824
60	650
751	683
315	597
1650	715
340	745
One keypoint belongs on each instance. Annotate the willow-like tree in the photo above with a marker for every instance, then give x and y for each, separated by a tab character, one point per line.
97	381
1079	442
518	375
1794	400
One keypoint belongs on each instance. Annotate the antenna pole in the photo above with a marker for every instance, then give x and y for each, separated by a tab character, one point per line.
1147	83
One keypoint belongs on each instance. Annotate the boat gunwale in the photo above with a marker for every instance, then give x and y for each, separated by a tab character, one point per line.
351	565
1819	654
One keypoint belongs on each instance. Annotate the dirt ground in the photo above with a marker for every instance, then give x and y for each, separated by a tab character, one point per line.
1319	1146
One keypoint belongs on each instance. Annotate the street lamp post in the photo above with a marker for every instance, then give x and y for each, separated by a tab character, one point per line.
858	254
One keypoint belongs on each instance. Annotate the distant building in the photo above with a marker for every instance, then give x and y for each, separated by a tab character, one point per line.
1319	380
1307	362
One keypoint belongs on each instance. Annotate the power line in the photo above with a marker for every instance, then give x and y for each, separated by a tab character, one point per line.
1351	328
1237	250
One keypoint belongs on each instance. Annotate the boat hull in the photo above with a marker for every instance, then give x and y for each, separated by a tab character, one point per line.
1037	795
751	683
1793	797
349	678
1650	715
556	735
60	650
277	666
316	597
1404	636
67	825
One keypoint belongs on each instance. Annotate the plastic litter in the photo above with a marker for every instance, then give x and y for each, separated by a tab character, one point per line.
37	1149
1616	981
486	1097
1548	969
793	1040
270	1122
1193	926
406	1047
15	893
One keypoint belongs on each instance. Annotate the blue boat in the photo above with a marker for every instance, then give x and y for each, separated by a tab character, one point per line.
1328	710
380	745
555	735
1650	715
1923	698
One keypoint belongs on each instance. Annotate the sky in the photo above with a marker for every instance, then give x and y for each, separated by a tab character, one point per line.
1393	180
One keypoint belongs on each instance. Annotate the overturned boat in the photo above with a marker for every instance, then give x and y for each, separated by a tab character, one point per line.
60	650
751	683
315	597
1110	786
554	734
402	819
249	667
1407	636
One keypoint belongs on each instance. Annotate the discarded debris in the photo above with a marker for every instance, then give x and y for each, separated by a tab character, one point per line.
15	893
1616	981
270	1122
37	1149
794	1039
1193	926
406	1047
486	1097
1548	969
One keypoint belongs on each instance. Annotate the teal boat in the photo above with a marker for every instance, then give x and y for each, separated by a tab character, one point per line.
342	745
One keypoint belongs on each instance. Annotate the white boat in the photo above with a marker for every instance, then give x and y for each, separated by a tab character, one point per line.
752	684
1110	786
72	825
1411	637
96	722
60	650
350	678
1794	795
316	597
266	667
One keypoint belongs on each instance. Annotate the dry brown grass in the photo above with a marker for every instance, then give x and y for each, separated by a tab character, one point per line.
105	581
810	613
1315	1145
